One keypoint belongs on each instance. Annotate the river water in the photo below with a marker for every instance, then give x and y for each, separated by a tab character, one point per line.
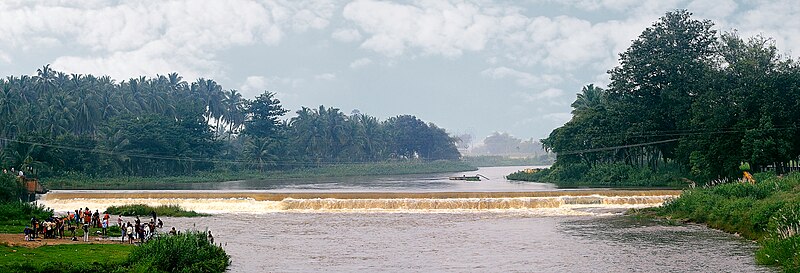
427	223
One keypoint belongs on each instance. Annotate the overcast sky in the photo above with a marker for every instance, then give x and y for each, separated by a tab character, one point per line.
468	66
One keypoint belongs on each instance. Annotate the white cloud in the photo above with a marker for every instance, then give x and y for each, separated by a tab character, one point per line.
325	76
360	63
346	35
552	95
435	27
253	85
127	39
5	58
521	78
713	9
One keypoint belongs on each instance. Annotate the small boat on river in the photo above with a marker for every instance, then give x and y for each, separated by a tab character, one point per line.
476	177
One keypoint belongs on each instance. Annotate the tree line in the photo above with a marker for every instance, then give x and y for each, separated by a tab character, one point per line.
687	97
54	123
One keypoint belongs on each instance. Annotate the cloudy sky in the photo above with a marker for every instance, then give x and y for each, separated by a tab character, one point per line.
468	66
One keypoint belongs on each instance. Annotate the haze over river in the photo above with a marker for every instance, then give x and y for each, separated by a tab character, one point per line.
427	223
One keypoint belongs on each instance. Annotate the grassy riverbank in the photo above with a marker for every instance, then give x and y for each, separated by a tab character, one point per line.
64	258
77	181
767	212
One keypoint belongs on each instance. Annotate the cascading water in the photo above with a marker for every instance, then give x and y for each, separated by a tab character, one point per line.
265	202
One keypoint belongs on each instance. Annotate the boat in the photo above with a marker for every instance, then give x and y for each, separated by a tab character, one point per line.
476	177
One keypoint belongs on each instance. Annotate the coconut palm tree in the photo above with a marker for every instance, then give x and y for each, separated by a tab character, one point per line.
590	97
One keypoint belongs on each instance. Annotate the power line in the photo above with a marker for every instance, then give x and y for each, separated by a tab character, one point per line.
616	147
176	158
679	133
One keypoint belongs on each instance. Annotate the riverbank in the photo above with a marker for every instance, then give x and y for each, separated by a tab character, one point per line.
606	175
77	181
767	212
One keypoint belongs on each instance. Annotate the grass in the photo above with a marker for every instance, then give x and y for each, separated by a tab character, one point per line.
767	212
164	210
78	181
64	258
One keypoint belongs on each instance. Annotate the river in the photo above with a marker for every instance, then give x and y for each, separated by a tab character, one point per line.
427	223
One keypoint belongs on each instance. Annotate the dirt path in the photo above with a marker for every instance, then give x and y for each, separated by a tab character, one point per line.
19	240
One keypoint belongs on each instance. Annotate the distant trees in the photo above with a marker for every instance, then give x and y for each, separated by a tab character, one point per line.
503	144
57	123
685	96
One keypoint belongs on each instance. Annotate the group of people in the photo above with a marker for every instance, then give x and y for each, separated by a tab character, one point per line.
139	230
18	173
84	219
49	228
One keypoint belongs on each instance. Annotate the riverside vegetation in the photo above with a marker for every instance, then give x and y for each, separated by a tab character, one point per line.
767	212
685	104
163	210
58	126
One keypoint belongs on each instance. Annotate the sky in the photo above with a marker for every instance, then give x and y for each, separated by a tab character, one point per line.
471	67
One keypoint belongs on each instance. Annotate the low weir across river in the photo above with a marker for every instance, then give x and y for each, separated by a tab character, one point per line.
263	202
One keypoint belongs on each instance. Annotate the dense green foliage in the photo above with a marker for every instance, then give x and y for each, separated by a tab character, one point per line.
685	96
189	251
16	215
768	211
605	175
24	211
141	209
54	124
11	189
65	258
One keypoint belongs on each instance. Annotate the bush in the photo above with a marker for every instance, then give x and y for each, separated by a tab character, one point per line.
23	211
606	175
10	188
141	209
189	251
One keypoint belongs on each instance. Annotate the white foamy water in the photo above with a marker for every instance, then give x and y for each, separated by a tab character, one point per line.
255	202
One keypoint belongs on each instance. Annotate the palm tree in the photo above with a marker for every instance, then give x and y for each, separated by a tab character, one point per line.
234	117
590	98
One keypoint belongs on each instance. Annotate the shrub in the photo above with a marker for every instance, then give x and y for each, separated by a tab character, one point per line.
23	211
10	188
189	251
141	209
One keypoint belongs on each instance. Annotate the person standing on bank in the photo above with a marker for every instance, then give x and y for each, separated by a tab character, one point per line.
86	232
